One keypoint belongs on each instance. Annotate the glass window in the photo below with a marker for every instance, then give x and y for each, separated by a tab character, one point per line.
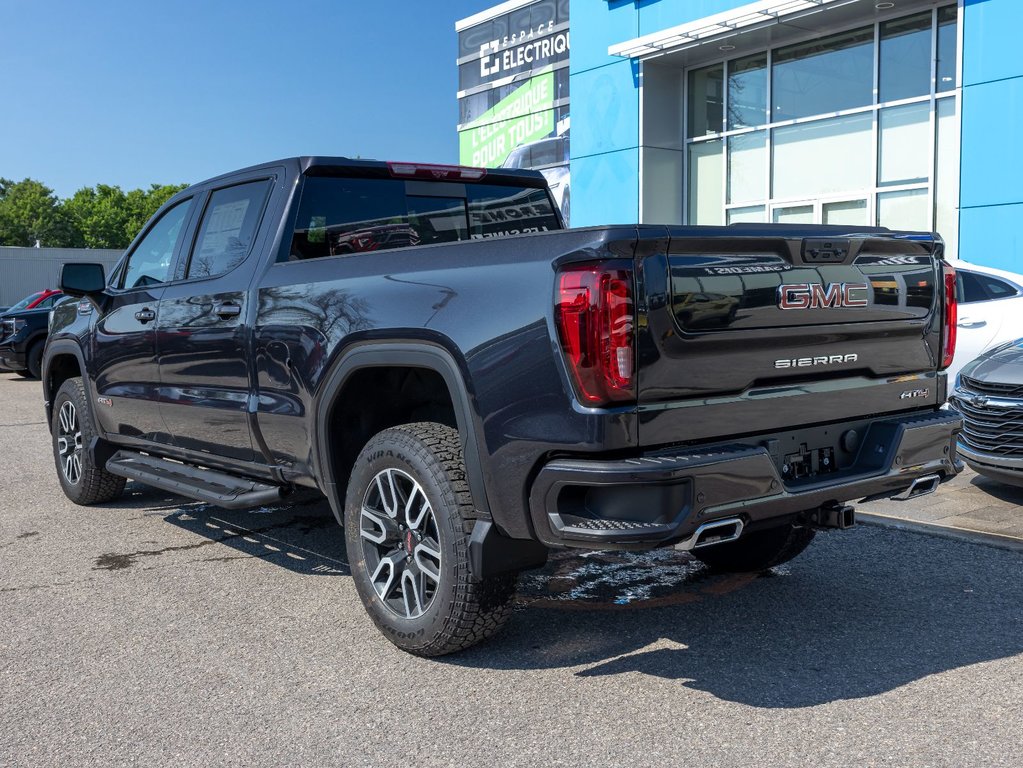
823	157
48	301
437	219
905	144
822	76
705	182
497	211
996	289
905	57
946	175
969	288
706	91
793	214
150	262
846	212
904	210
945	76
749	214
747	167
747	91
340	217
227	229
25	302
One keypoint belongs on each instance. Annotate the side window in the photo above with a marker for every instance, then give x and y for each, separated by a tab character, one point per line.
497	211
969	288
227	229
338	217
997	289
48	301
150	262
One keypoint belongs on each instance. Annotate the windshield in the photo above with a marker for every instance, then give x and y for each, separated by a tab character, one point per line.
25	301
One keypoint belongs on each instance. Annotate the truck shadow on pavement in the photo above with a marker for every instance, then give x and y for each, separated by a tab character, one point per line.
301	535
858	614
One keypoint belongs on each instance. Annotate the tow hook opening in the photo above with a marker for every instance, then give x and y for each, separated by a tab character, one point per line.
832	516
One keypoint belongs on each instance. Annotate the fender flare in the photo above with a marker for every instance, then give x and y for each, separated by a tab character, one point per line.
407	354
55	348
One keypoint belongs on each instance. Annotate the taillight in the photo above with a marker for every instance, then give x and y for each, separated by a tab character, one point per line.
596	322
951	316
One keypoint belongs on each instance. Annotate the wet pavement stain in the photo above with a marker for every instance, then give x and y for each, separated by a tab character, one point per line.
624	581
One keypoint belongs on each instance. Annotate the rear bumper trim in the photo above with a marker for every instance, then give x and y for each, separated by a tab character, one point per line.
654	499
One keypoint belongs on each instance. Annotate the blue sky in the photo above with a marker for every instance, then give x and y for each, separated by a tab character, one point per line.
134	92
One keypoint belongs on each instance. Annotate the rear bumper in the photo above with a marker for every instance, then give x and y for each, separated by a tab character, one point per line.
661	498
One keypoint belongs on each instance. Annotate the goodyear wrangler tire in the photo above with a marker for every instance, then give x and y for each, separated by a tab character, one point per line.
757	551
71	431
408	517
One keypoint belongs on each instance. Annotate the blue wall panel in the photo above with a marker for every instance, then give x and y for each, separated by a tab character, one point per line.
606	117
992	236
991	40
605	188
597	25
992	166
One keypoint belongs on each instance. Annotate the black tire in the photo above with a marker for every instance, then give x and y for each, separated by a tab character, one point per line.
72	429
758	550
436	606
34	360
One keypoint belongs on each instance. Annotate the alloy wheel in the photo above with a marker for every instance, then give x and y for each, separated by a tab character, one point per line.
401	543
69	442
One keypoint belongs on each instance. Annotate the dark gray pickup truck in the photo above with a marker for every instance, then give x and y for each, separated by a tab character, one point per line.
470	386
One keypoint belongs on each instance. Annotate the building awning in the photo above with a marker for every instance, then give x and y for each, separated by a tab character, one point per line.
771	19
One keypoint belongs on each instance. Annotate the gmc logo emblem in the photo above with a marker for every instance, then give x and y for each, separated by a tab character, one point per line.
816	296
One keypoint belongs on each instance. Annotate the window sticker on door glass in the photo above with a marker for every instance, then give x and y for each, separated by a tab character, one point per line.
225	224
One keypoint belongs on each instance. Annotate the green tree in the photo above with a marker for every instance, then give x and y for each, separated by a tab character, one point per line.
31	213
141	205
100	215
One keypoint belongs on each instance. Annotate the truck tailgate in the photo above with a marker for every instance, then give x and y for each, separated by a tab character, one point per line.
773	327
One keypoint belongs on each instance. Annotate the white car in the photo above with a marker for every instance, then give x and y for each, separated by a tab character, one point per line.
990	311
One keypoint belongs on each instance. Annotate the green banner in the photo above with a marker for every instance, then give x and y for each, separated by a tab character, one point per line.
525	115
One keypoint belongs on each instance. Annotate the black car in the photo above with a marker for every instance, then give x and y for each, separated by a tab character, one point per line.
989	394
23	337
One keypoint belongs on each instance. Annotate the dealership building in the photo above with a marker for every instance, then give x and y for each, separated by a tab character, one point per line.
852	112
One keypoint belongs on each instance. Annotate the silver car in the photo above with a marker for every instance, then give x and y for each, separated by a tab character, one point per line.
989	394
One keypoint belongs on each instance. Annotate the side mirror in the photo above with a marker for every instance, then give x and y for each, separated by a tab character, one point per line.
82	279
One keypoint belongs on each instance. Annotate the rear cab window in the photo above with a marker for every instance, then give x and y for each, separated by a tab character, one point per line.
340	216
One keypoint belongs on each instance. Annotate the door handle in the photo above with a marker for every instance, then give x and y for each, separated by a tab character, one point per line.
227	309
145	315
965	323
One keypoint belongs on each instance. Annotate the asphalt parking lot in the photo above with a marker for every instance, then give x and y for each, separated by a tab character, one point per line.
155	631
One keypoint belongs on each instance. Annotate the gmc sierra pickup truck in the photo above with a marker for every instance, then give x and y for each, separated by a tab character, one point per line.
470	384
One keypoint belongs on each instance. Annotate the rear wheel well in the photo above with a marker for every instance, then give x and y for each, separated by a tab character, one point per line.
374	399
62	367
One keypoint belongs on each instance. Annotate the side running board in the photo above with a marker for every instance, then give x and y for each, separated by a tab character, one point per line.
196	483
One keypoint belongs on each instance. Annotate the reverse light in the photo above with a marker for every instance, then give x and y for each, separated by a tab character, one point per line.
596	324
951	316
427	171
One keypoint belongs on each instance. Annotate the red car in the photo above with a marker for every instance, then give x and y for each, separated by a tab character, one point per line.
39	300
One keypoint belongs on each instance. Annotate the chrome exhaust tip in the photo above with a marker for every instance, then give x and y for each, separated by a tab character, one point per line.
920	487
716	532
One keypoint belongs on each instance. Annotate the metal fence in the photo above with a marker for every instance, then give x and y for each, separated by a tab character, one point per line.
27	270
